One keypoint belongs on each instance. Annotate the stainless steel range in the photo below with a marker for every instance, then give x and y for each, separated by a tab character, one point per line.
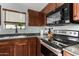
60	40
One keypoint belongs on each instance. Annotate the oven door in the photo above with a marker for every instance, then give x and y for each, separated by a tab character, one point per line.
47	50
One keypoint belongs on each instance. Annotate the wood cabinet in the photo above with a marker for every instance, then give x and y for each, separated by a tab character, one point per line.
36	18
76	12
38	47
6	48
59	4
67	53
20	47
50	7
32	47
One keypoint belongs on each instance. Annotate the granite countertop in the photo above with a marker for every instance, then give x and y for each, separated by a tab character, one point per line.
21	35
74	50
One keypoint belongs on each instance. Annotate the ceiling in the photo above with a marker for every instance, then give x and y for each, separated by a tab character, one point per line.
24	6
35	6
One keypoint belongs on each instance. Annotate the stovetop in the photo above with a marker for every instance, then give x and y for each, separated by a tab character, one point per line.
59	44
51	44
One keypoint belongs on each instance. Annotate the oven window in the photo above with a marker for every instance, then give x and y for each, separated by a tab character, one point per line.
46	52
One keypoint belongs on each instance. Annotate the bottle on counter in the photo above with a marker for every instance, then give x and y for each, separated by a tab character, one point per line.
41	33
50	35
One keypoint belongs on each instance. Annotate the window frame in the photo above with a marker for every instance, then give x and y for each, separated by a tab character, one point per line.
16	23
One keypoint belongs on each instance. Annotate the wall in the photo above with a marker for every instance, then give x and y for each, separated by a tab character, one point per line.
21	8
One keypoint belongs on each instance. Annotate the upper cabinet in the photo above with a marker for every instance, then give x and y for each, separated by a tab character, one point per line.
50	7
59	4
36	18
76	12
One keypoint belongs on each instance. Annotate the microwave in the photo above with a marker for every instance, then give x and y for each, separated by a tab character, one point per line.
66	13
61	16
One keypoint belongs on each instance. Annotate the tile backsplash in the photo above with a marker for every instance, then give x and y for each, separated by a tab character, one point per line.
38	29
68	27
27	30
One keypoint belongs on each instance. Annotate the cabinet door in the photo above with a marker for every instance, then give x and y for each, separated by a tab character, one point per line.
32	47
21	48
6	49
76	11
38	47
42	19
67	53
35	18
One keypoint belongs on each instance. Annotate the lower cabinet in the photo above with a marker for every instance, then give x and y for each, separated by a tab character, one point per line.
6	51
6	48
67	53
20	47
38	45
32	47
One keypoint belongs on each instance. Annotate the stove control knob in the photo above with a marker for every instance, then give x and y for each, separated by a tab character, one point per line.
54	42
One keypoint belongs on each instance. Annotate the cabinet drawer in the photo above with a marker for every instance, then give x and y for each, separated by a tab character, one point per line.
21	42
6	51
4	43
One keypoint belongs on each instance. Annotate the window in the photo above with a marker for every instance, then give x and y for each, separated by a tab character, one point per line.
13	26
14	19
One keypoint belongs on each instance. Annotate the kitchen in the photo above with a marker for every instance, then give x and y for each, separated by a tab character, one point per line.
39	29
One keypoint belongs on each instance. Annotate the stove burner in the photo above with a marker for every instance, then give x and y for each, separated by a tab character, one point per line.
61	45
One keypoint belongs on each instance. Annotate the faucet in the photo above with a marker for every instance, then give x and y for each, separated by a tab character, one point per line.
16	30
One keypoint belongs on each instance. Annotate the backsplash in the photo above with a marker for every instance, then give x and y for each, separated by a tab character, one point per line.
31	30
27	30
68	27
54	17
